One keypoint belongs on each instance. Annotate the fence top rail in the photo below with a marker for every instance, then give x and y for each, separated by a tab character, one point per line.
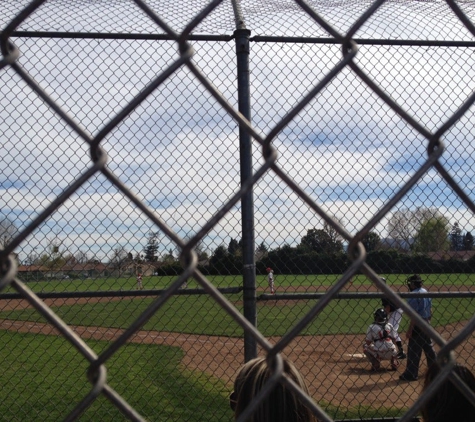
364	295
228	38
235	290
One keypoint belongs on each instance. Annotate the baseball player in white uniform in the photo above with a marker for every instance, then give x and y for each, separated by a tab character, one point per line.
379	342
270	280
139	282
394	318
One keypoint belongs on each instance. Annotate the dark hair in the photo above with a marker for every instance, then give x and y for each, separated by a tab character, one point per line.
448	403
414	282
281	405
416	279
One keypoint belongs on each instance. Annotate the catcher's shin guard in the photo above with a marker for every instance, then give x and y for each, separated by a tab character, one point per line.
375	363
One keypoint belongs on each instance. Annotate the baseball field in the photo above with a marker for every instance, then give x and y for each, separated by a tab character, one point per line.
181	364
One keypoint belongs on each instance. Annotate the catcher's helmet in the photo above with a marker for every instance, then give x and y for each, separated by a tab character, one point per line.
414	281
380	316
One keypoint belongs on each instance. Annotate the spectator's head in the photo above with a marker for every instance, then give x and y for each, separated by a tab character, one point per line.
414	282
281	405
448	403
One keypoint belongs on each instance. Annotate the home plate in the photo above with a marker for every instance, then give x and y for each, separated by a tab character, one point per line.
357	355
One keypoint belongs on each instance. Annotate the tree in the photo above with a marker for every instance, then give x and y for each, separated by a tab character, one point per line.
432	235
262	248
467	241
54	257
151	248
240	248
32	258
169	258
335	237
404	224
70	259
261	251
320	241
456	239
219	253
201	251
119	256
218	256
82	257
233	247
371	241
7	231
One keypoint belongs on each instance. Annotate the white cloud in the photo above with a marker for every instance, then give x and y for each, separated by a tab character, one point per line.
179	151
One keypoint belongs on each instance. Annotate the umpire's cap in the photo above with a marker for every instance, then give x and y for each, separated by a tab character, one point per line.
414	279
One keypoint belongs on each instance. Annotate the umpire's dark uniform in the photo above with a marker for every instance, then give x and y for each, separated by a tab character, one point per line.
418	341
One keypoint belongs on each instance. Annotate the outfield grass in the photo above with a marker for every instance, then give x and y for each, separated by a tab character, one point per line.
281	280
201	315
43	377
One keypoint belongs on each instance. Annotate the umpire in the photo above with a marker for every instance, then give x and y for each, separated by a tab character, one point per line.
418	340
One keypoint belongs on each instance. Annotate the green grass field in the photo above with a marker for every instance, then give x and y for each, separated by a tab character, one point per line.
44	375
199	314
282	281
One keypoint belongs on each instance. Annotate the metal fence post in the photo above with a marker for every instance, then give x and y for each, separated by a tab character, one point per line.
247	203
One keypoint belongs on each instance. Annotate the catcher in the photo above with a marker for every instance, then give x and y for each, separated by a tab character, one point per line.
380	338
394	318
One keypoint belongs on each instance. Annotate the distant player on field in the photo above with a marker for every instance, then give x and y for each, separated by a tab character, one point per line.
139	282
270	280
379	342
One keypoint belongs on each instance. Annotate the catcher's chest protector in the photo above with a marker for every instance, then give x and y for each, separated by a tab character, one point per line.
384	332
381	332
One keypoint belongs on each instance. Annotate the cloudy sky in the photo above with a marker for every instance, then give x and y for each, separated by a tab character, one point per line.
179	150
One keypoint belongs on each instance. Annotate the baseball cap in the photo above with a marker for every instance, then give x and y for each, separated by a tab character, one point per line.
416	278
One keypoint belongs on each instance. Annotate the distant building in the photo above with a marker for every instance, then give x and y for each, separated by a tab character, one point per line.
32	272
84	270
76	270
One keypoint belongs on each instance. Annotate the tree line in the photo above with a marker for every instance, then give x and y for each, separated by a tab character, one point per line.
412	235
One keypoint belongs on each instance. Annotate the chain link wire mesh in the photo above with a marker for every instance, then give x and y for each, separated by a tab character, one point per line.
127	289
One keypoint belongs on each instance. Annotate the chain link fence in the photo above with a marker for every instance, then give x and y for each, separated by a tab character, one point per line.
158	157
